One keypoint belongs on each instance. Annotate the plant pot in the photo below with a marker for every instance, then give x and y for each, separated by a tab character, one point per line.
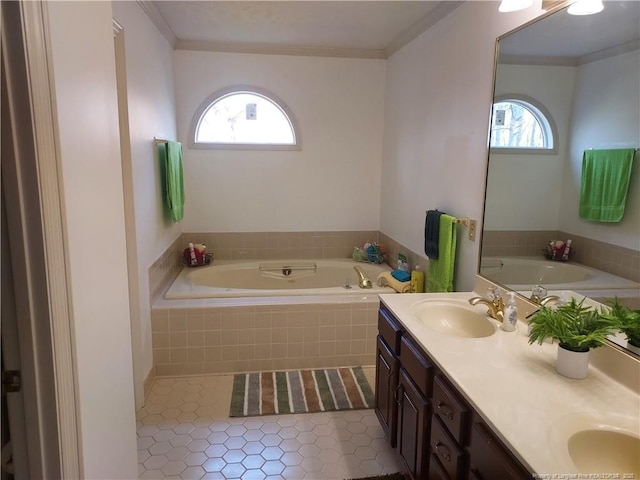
633	346
572	364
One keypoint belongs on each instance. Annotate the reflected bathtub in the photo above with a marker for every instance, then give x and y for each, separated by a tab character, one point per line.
523	273
275	278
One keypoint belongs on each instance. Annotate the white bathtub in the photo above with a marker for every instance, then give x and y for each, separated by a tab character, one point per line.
274	278
523	273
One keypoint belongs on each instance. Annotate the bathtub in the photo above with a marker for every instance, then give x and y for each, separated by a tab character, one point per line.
275	278
523	273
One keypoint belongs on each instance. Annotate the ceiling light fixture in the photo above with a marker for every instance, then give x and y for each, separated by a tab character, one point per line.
585	7
514	5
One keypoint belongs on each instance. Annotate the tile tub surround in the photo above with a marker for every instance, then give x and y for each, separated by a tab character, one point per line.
190	340
620	261
272	245
255	246
275	245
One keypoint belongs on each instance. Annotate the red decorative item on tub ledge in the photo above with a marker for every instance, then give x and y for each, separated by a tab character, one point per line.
559	251
195	255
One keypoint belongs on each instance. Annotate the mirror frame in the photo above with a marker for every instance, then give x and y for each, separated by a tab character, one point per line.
551	7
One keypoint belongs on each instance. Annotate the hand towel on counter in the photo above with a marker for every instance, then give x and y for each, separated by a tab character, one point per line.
432	233
441	270
170	154
605	182
385	279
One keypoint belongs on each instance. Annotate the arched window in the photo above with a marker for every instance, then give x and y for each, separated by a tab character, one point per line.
243	118
521	124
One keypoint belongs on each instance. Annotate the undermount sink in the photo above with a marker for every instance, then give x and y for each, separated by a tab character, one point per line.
599	443
605	451
453	317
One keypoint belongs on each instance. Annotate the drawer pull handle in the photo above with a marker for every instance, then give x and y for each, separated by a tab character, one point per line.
395	395
443	451
445	410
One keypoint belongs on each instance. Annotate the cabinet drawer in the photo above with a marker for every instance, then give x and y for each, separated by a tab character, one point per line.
436	470
452	458
451	409
415	362
491	459
389	329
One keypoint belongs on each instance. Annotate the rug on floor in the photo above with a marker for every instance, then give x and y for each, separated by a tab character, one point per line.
391	476
300	391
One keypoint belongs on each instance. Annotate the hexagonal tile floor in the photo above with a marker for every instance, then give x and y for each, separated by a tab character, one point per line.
184	432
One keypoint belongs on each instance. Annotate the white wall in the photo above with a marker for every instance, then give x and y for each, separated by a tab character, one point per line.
333	183
538	204
438	107
151	101
606	115
85	94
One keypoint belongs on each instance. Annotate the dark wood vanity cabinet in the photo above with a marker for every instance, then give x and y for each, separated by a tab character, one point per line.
436	433
387	367
414	413
386	408
490	458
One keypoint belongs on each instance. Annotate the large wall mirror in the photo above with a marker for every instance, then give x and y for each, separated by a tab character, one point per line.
566	84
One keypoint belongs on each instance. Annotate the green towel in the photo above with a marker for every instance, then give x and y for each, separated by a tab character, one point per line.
441	270
605	182
170	154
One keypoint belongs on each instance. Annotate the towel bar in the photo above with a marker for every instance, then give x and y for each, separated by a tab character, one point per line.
462	221
158	141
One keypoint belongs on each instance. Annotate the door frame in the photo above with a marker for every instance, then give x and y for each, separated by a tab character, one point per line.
36	218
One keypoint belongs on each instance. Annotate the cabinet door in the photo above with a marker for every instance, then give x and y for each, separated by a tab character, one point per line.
490	459
413	428
386	408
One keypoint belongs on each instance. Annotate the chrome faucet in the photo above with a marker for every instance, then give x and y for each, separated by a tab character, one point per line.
363	280
539	296
493	302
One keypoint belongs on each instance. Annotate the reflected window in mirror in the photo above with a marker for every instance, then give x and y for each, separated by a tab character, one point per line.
521	124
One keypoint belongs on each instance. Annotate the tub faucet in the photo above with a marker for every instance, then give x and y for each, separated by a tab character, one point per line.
363	280
539	296
493	302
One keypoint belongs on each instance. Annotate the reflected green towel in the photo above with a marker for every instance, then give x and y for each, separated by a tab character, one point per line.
441	270
170	154
605	182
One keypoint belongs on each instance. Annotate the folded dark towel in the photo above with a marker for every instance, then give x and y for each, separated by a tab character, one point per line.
432	233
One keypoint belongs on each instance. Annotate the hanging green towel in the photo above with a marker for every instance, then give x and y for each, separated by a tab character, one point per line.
441	270
605	182
170	154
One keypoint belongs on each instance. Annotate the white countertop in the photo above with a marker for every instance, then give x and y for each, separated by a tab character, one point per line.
516	390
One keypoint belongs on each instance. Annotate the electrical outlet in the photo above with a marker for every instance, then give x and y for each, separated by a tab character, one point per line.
473	225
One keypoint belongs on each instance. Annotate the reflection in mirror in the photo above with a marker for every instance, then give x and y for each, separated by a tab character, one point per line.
583	74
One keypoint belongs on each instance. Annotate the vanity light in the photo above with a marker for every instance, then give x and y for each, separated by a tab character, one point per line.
514	5
585	7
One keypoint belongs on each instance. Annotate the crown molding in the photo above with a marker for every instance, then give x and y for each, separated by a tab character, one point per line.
158	20
610	52
273	49
570	61
538	60
440	11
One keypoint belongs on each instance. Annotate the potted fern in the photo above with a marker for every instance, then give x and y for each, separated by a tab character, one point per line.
578	329
628	321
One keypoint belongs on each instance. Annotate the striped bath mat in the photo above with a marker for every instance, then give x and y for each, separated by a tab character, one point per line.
300	391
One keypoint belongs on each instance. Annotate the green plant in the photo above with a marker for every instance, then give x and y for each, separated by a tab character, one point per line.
628	321
577	328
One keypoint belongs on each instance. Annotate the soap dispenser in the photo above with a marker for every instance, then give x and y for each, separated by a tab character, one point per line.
510	317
